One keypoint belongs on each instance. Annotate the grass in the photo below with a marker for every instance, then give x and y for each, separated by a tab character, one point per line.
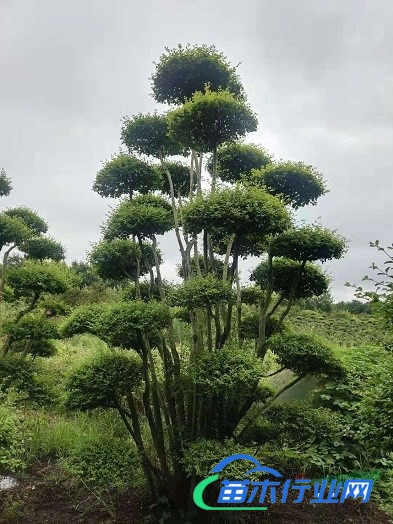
61	435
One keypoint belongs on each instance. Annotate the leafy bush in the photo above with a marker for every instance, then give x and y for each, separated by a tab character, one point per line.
105	462
123	323
297	423
305	354
84	319
13	439
103	380
203	292
37	332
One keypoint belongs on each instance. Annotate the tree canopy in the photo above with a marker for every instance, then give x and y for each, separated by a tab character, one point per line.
182	71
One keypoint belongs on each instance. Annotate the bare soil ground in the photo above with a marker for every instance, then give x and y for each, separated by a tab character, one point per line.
46	496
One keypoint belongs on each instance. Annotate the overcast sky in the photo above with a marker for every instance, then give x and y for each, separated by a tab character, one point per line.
319	74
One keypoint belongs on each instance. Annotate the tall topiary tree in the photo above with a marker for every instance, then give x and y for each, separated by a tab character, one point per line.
204	390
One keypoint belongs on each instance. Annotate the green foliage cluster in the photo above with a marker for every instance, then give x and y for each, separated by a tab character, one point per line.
209	119
237	160
252	295
105	462
298	424
30	218
124	175
231	371
84	319
123	324
250	326
13	439
202	291
182	71
305	354
35	278
248	213
5	183
12	230
22	376
144	216
309	243
312	281
297	183
149	135
35	333
180	174
119	259
42	248
103	380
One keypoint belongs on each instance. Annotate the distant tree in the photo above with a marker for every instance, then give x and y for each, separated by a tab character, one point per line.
356	307
5	183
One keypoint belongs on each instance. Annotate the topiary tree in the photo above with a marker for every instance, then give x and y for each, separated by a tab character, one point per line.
33	335
23	228
33	280
205	389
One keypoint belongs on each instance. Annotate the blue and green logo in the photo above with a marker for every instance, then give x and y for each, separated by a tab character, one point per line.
247	495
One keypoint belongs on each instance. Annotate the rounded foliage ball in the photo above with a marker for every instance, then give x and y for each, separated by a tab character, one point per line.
182	71
209	119
309	243
248	213
31	219
149	135
125	175
237	160
311	281
145	216
305	354
104	380
297	183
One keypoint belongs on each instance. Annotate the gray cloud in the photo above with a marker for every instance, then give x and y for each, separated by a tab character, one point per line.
319	74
